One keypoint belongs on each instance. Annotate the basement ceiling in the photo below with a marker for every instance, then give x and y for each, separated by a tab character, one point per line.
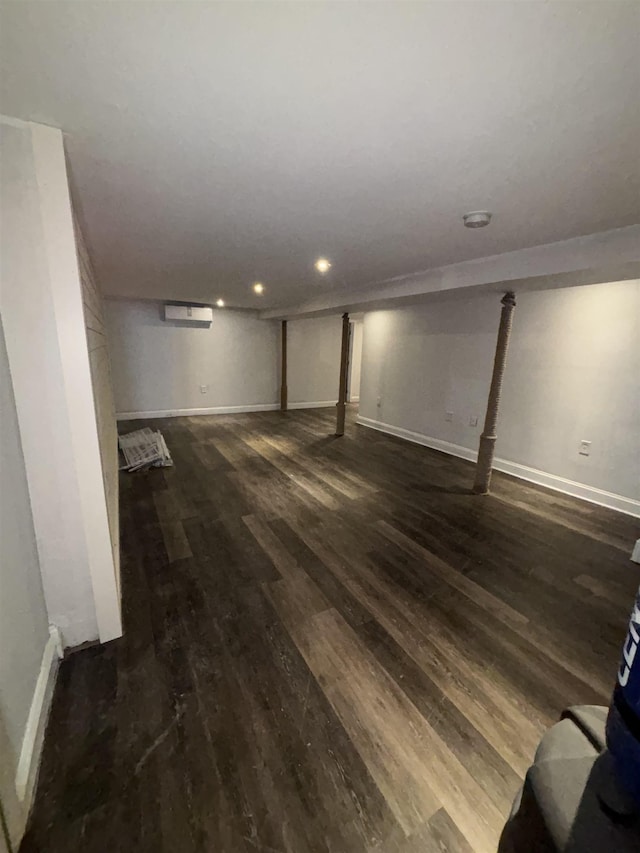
212	145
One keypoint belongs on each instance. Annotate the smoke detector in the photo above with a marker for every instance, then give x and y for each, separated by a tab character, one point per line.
477	219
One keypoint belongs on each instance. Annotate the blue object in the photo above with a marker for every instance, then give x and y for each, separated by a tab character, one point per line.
623	721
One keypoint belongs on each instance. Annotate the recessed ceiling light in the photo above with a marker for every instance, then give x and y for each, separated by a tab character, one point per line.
220	303
477	219
322	265
258	287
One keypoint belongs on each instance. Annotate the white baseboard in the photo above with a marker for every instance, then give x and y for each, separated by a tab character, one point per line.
629	506
220	410
354	399
620	503
182	413
317	404
30	752
419	438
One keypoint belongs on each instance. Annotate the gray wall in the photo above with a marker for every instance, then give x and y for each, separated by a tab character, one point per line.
573	373
160	366
23	617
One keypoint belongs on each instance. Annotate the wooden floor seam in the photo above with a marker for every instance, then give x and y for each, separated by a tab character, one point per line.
330	645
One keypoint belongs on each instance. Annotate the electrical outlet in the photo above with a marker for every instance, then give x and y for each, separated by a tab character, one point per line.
585	448
448	416
204	389
473	421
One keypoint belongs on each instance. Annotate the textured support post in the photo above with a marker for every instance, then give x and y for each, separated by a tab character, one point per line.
488	437
344	367
283	369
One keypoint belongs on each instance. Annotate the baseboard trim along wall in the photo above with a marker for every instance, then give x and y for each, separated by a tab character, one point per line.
183	413
318	404
220	410
541	478
29	761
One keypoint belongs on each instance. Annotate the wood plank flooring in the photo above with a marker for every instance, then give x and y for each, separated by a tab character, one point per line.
331	645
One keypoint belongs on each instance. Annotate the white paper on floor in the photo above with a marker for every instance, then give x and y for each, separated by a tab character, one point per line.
143	449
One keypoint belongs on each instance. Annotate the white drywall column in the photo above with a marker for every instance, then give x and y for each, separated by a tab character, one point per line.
41	304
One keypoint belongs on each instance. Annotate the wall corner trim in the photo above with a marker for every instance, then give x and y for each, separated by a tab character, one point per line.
30	752
56	636
620	503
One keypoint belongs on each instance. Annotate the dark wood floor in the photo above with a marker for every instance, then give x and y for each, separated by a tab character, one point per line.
330	646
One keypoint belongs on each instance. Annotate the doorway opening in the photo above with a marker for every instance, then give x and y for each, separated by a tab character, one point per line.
355	359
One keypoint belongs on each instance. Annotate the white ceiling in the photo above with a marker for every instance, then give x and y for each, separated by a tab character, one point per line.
215	144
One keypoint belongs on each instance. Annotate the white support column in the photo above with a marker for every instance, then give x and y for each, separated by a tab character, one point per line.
43	320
